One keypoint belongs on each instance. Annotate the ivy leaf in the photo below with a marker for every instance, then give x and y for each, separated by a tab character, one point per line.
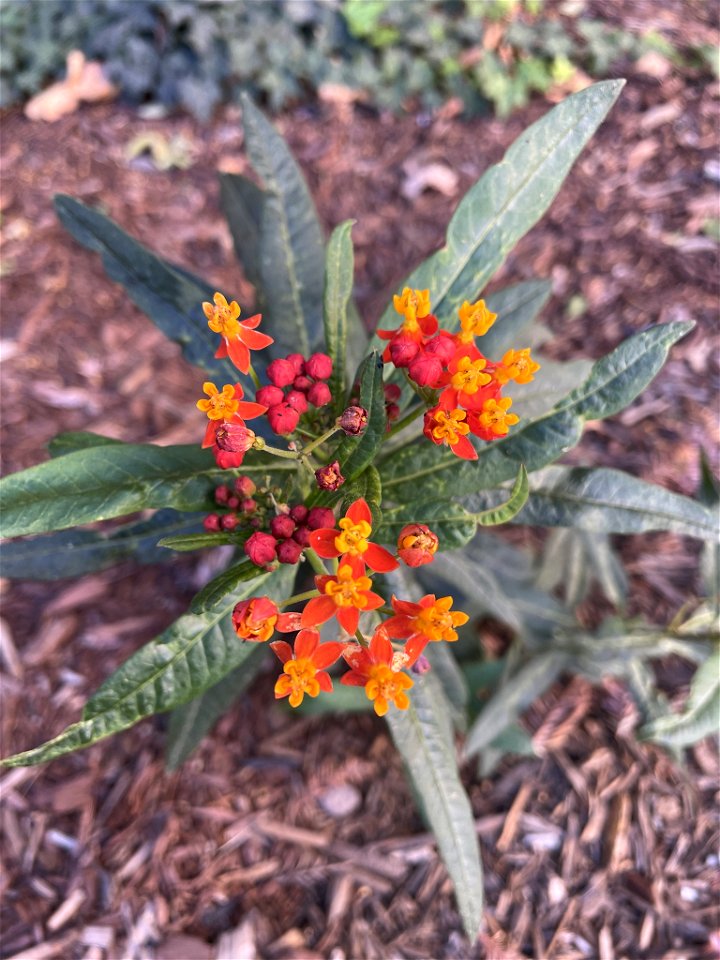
195	653
170	296
292	260
606	501
109	481
72	553
508	200
424	741
339	268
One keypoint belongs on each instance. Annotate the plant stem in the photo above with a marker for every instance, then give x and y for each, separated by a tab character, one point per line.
316	563
361	639
308	595
277	452
321	439
255	377
406	420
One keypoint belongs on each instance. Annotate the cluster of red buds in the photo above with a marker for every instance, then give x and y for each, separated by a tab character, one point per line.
304	381
241	506
470	385
289	534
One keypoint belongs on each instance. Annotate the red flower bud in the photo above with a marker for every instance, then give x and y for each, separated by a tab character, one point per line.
299	513
244	486
226	460
425	370
269	396
297	400
354	421
229	521
329	477
319	366
298	362
249	505
319	394
289	551
417	544
261	548
392	392
320	518
403	349
282	526
232	503
392	411
281	373
222	494
443	347
283	418
212	523
302	536
302	384
233	437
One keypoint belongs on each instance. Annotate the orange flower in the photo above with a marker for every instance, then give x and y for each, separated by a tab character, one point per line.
417	544
258	618
475	321
353	540
226	404
423	622
445	425
239	336
418	323
377	670
516	365
343	595
304	668
493	421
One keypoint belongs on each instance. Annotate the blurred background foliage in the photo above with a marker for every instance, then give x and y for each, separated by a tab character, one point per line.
415	54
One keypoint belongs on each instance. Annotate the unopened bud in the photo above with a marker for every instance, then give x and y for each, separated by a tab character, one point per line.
282	526
289	551
212	523
319	366
261	548
421	665
245	486
319	394
353	421
229	521
234	437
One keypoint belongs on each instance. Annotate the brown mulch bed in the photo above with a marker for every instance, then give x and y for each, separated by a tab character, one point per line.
286	837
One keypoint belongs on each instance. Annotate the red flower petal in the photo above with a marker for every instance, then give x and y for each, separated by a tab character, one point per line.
327	653
324	680
253	339
353	679
282	650
399	627
306	643
373	601
359	511
379	559
238	353
288	623
249	410
221	351
414	647
251	322
381	650
463	448
323	543
317	611
348	617
209	438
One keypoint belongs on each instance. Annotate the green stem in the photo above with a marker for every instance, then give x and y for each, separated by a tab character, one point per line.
308	595
361	639
321	439
316	563
255	377
406	420
277	452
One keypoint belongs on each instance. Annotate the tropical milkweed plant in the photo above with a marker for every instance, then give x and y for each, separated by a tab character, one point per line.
352	477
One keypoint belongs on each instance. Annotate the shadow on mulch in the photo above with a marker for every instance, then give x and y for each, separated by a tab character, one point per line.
287	837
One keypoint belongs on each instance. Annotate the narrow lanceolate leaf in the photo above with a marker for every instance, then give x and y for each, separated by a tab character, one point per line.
339	267
190	723
506	511
110	481
607	501
421	736
516	308
72	553
450	521
242	203
170	296
292	259
196	540
195	653
701	715
515	696
75	440
422	470
507	201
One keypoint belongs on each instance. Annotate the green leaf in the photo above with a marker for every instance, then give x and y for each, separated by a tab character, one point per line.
170	296
242	203
339	269
516	307
367	486
513	697
341	700
422	738
75	440
422	469
185	542
572	559
508	200
191	722
292	261
195	653
699	718
72	553
109	481
606	501
505	512
552	384
451	522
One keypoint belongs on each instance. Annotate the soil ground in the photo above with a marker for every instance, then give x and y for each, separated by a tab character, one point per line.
285	837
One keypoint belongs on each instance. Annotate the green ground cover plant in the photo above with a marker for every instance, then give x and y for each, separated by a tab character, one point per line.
364	528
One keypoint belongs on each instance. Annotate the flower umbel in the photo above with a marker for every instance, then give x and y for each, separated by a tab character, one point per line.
420	623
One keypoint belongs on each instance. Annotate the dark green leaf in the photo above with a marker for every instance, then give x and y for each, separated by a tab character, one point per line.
424	742
195	653
606	501
507	510
339	268
242	203
183	542
516	307
109	481
75	440
72	553
292	260
507	201
451	522
171	297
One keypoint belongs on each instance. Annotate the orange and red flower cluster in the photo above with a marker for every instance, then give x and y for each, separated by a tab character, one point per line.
470	385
